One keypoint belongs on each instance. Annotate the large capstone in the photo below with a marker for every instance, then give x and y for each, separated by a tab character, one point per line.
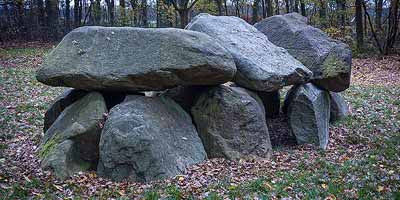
328	59
71	143
308	112
261	65
339	107
68	97
148	138
126	59
231	123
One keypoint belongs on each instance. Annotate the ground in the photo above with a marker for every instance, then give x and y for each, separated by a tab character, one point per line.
362	160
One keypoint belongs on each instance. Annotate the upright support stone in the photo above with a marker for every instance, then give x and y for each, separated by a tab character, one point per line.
68	97
339	107
308	111
231	123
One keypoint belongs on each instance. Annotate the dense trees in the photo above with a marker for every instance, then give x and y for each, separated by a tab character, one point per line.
369	20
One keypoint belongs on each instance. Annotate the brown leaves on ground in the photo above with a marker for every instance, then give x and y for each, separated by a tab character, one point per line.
375	71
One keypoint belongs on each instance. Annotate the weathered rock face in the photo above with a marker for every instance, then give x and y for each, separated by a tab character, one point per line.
80	125
231	123
68	97
64	160
261	65
308	112
328	59
339	107
127	59
271	102
148	138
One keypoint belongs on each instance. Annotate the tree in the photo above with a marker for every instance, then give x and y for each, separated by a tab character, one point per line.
392	26
183	8
255	11
270	8
67	16
341	7
303	8
378	13
359	24
52	18
111	12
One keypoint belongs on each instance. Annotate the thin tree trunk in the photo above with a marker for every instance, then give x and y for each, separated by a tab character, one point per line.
277	12
226	8
219	7
144	13
255	11
322	13
287	6
359	25
392	26
67	16
378	13
303	8
264	12
296	6
270	8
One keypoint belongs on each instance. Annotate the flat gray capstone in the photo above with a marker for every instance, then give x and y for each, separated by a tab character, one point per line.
68	97
339	107
328	59
126	59
231	123
80	124
261	65
146	139
308	110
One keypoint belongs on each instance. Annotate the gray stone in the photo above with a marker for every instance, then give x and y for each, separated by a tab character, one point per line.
81	123
328	59
339	107
231	123
271	102
308	114
126	59
68	97
261	65
146	139
64	160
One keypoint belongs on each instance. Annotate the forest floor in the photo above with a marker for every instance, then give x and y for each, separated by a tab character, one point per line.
362	160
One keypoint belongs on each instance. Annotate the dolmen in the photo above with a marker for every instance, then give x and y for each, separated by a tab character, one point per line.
144	104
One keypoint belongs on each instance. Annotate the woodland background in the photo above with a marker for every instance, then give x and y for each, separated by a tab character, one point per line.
369	26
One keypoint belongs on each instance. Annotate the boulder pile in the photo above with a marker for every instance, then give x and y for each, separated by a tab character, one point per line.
144	104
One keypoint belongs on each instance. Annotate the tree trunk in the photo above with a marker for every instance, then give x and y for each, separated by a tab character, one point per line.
287	6
359	24
277	7
378	13
144	13
264	12
341	7
184	17
303	8
76	13
392	26
123	14
52	18
226	8
322	13
296	6
270	8
255	11
67	16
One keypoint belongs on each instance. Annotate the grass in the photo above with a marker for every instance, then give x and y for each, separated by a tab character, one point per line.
371	174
